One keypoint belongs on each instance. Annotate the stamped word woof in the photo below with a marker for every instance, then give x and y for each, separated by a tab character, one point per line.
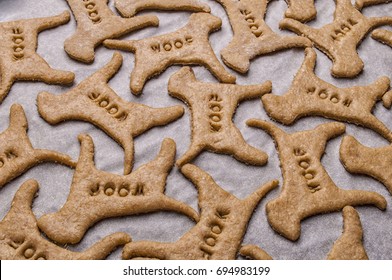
304	162
111	107
92	11
123	190
212	237
344	29
26	250
172	44
215	112
250	19
18	43
325	94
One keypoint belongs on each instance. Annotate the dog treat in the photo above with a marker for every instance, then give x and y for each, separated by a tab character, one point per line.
212	108
301	10
363	3
19	60
339	39
188	45
374	162
128	8
252	36
20	238
349	245
17	155
307	188
254	252
95	23
95	102
387	99
382	35
311	96
218	234
96	195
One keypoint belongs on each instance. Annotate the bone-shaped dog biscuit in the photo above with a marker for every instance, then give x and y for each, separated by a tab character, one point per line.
301	10
128	8
252	36
374	162
218	234
339	39
20	238
19	60
307	188
96	195
95	23
212	108
17	155
311	96
349	246
188	45
95	102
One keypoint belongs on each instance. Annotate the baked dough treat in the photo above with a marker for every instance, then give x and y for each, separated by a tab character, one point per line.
301	10
188	45
96	195
95	23
339	39
17	155
20	238
218	234
311	96
95	102
307	188
349	246
254	252
19	60
363	3
212	108
384	36
129	8
252	36
374	162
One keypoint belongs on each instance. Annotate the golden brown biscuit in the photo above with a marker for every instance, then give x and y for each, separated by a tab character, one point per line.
363	3
17	155
252	36
307	188
218	234
382	35
96	195
311	96
339	39
95	102
20	238
129	8
374	162
186	46
212	108
19	60
349	246
301	10
95	23
254	252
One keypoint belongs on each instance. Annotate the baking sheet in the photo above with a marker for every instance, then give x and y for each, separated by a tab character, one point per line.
318	232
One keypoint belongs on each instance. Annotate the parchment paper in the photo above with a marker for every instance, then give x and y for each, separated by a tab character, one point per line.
318	232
